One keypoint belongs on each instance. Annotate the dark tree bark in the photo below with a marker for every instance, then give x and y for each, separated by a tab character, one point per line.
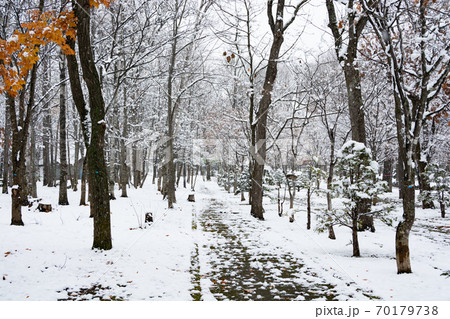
134	161
63	200
350	66
170	172
76	167
331	134
123	153
80	104
83	181
16	209
33	167
355	242
208	170
308	208
179	172
46	123
278	28
387	172
98	178
54	156
442	207
112	157
155	167
46	149
399	177
184	175
6	151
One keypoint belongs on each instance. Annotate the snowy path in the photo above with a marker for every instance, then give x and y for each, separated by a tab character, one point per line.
234	259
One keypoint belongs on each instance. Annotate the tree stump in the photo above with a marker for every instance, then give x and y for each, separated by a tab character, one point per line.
45	208
191	198
148	218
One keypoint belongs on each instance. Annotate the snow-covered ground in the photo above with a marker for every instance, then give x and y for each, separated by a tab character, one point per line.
210	250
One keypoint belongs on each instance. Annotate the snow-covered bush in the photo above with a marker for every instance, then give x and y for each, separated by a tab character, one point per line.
439	179
358	183
244	180
269	177
278	177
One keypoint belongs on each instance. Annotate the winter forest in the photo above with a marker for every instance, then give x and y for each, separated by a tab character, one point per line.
225	150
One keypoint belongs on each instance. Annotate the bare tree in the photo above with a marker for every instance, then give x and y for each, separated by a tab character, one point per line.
96	165
278	27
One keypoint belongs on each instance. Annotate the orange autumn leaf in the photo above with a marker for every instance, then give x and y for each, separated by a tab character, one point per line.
97	3
20	52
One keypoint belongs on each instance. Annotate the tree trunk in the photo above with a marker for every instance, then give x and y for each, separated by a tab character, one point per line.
6	151
46	151
442	206
387	172
63	200
308	208
189	175
406	176
83	181
356	252
111	169
16	211
155	173
184	175
53	154
123	153
75	163
134	165
331	233
400	181
208	170
33	168
111	183
257	209
403	230
69	165
98	179
170	173
179	172
160	177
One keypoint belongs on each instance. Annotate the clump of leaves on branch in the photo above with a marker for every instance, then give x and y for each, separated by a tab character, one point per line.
20	51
